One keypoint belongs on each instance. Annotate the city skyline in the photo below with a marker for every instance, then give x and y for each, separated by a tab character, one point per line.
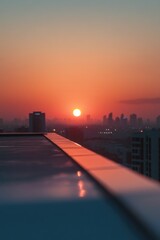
94	55
108	119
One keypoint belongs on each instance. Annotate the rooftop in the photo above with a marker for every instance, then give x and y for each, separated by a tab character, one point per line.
53	188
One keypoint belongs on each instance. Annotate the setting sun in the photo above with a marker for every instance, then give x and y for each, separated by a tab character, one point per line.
77	112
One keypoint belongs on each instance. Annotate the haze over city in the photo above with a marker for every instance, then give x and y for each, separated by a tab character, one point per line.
99	56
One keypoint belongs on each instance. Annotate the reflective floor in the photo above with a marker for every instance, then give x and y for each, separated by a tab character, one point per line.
35	164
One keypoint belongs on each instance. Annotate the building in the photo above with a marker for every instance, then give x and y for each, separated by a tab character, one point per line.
146	153
123	121
110	120
37	122
133	120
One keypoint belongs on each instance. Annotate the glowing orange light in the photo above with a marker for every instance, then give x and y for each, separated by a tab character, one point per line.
77	112
79	174
82	191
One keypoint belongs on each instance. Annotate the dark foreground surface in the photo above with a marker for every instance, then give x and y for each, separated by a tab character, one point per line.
45	195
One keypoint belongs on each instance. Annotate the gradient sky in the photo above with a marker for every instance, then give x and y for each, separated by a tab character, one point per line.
98	55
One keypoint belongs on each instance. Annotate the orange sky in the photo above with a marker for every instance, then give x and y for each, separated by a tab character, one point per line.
80	58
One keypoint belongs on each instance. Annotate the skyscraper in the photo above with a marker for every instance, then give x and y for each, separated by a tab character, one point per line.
133	120
37	122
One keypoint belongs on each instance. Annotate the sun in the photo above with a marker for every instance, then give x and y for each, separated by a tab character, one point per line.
77	112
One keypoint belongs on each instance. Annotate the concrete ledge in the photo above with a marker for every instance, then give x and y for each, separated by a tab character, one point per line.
137	194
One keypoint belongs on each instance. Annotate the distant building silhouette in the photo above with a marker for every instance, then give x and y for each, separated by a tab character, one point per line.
37	122
110	120
123	121
133	120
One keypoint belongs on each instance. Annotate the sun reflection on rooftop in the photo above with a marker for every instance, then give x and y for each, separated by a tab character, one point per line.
82	190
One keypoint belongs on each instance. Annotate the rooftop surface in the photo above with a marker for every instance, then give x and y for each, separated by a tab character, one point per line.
53	188
34	162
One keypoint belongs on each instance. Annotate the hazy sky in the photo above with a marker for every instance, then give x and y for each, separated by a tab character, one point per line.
97	55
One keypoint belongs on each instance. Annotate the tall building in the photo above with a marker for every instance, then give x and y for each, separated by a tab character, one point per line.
110	119
37	122
146	153
123	121
133	120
